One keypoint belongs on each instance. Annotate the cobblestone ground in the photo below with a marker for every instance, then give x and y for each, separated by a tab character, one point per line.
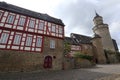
101	72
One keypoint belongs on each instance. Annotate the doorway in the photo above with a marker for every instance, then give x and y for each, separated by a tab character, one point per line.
48	62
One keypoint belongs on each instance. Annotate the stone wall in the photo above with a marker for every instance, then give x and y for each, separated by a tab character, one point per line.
83	63
28	61
87	49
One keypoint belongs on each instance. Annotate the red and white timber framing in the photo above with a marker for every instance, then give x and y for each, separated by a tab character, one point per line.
31	29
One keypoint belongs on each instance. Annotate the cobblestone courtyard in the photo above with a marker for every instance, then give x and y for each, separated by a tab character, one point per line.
110	72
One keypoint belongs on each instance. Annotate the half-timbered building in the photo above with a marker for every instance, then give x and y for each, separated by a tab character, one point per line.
29	40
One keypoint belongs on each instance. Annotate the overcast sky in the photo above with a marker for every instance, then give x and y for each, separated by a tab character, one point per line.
78	15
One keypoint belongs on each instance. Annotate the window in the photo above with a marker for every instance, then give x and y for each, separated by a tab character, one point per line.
39	42
41	26
29	41
53	28
52	44
17	39
32	23
4	38
10	19
60	30
0	15
21	21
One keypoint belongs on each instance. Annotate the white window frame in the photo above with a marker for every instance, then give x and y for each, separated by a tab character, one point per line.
28	41
17	39
52	44
4	38
32	23
10	18
39	42
60	30
21	21
41	26
53	28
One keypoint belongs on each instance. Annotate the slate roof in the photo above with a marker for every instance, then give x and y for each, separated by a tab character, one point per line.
81	39
96	36
19	10
115	45
71	40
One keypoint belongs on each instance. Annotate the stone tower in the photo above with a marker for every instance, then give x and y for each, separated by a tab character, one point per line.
103	31
98	49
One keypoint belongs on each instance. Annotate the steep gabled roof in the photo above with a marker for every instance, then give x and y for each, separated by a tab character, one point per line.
82	39
19	10
71	40
115	44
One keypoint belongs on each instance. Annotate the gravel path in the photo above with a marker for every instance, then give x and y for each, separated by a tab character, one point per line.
101	72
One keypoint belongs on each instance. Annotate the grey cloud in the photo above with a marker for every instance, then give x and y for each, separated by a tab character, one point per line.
78	15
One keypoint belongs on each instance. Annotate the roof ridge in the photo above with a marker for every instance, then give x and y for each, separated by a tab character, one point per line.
24	11
81	35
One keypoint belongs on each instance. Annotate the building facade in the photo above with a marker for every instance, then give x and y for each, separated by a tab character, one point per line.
29	40
97	45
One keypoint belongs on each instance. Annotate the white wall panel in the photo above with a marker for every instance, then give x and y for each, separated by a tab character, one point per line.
38	49
27	48
8	46
23	39
12	33
20	28
17	16
8	25
3	19
21	48
15	23
15	47
6	13
11	37
2	46
33	49
9	42
14	27
1	24
22	43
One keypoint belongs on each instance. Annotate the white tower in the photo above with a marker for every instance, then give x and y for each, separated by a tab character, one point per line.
103	31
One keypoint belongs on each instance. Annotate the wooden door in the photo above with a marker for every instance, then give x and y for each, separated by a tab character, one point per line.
48	62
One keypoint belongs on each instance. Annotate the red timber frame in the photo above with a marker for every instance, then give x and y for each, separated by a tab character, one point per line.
24	31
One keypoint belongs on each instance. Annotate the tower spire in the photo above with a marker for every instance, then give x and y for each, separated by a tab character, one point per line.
96	13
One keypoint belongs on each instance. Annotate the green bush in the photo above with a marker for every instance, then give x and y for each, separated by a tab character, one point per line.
83	56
